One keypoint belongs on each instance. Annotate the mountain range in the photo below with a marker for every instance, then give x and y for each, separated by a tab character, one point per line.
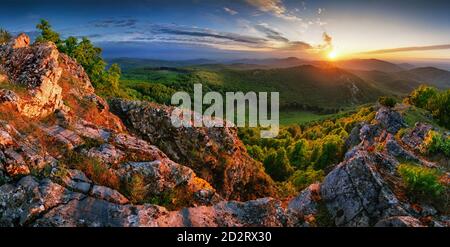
323	84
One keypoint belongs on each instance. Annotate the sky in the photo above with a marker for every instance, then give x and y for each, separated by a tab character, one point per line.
399	30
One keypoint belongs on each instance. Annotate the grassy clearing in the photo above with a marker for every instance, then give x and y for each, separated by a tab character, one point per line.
300	117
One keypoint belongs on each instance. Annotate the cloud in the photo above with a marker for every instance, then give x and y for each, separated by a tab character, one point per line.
230	11
202	32
266	38
299	45
108	23
327	39
270	33
412	48
276	7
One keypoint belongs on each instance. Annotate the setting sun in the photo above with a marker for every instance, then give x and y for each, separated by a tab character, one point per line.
332	55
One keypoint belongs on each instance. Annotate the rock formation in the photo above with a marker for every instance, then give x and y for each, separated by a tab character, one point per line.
66	160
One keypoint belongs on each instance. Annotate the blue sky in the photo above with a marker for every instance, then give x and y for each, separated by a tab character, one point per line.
246	28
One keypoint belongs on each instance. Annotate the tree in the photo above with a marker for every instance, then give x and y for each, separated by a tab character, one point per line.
277	165
302	178
331	153
299	153
47	33
387	101
5	36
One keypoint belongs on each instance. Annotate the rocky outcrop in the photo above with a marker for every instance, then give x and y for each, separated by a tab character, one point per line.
92	212
215	154
362	190
31	202
66	160
36	68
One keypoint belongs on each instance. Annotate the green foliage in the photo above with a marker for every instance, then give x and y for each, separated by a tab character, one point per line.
47	33
299	154
435	101
440	108
435	143
154	92
303	178
332	151
135	188
421	180
310	148
5	36
387	101
421	96
256	152
277	165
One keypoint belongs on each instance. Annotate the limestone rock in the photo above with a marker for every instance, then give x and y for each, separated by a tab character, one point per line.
108	194
389	120
94	212
356	195
215	154
399	221
306	202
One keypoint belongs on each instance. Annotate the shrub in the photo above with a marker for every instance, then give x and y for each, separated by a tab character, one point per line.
421	180
422	95
135	188
440	108
277	165
436	143
303	178
299	154
387	101
332	151
5	36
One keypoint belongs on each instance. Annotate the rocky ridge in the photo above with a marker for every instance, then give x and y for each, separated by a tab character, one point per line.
66	160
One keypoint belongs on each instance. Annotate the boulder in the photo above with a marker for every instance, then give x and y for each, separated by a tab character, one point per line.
108	194
356	194
307	202
390	120
22	203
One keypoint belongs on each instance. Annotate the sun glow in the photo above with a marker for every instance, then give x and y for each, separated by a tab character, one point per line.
332	55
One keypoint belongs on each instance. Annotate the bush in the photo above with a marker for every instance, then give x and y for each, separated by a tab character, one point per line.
303	178
135	188
440	108
422	95
387	101
421	180
298	155
436	143
437	102
332	151
277	165
5	36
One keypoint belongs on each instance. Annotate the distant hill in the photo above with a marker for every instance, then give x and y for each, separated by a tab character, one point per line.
273	62
301	83
128	63
403	82
307	84
429	75
368	65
